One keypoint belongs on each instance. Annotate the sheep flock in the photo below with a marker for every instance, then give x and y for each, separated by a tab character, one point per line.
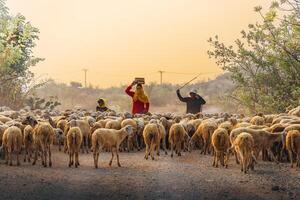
246	140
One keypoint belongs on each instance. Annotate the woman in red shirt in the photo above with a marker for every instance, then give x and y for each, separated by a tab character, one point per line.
139	98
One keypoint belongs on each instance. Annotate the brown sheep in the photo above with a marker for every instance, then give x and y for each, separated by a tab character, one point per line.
262	140
74	140
2	129
293	146
62	124
257	120
43	135
85	130
114	124
221	145
226	125
4	119
109	138
177	137
152	139
28	142
244	145
12	142
132	141
204	133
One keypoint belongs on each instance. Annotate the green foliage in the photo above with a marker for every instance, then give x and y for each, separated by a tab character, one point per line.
41	103
265	62
17	39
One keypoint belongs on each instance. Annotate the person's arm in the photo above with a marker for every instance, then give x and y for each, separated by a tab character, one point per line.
128	90
202	101
183	99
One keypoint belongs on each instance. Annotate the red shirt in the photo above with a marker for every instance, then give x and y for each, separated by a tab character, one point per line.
138	106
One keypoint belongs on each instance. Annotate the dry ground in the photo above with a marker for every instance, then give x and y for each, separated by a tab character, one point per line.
190	176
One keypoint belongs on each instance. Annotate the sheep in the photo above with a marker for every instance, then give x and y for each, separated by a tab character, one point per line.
292	145
242	124
204	133
2	129
62	124
12	142
85	130
244	145
221	145
4	119
285	131
59	137
257	120
177	136
43	134
263	140
167	125
132	141
28	142
43	139
152	137
226	125
114	124
74	140
109	138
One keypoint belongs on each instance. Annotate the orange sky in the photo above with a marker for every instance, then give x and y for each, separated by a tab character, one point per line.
120	39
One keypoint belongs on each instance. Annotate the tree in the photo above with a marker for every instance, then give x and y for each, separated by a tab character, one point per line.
17	39
265	62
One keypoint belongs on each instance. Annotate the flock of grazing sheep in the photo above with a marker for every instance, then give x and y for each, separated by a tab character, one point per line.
276	137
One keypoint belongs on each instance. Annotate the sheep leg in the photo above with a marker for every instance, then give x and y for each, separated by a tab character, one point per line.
65	145
26	153
214	161
226	158
164	145
112	156
147	152
76	159
136	142
117	152
152	149
86	143
6	155
204	147
96	155
18	160
158	147
236	157
45	157
178	147
70	158
128	144
50	155
9	156
272	156
291	158
35	156
172	149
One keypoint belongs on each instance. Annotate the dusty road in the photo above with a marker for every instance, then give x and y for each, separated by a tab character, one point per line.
190	176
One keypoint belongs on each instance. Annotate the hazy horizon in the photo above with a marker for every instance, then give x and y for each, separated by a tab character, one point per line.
119	40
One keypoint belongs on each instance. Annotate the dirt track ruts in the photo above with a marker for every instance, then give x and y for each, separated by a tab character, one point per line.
190	176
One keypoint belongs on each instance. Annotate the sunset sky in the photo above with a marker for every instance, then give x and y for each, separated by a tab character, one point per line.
117	40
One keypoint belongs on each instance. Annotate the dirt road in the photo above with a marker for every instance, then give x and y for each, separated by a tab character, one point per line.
190	176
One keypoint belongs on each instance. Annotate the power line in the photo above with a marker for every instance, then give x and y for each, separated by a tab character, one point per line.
161	76
85	72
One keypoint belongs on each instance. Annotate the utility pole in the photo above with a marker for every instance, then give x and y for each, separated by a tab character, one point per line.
85	71
161	76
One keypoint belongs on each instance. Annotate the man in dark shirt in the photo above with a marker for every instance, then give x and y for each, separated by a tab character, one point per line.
193	103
